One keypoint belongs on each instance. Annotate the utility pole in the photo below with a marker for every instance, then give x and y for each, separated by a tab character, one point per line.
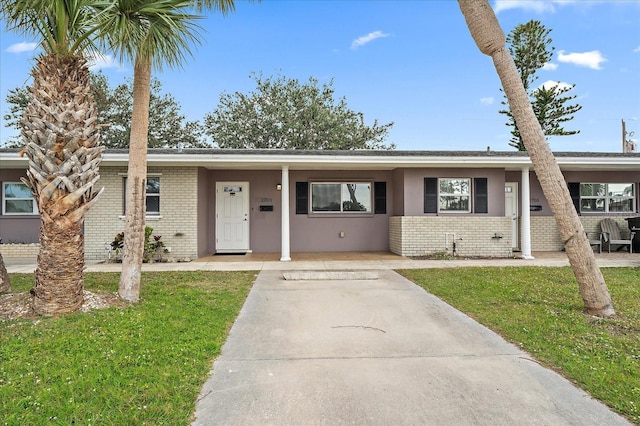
628	145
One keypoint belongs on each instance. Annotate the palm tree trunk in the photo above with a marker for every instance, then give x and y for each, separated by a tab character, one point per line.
5	284
61	135
59	273
489	37
132	255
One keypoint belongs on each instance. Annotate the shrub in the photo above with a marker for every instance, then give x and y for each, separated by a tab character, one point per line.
154	248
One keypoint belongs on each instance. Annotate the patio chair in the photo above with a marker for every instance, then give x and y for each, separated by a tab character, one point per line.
595	240
611	235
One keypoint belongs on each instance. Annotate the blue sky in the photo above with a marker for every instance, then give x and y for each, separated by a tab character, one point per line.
408	61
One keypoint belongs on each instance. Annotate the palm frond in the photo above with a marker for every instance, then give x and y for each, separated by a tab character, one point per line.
223	6
64	27
161	32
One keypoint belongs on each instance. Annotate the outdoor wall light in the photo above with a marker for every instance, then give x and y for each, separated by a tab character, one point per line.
279	187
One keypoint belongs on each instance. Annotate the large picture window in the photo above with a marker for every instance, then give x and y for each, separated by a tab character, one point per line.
341	197
454	195
607	197
153	195
17	199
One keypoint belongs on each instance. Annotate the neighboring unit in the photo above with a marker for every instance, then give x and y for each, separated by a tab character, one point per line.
412	203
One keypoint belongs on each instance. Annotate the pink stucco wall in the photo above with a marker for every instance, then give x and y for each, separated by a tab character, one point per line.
322	232
264	227
308	232
413	187
398	192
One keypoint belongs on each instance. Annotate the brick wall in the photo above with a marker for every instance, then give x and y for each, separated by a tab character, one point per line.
545	235
19	251
178	211
424	235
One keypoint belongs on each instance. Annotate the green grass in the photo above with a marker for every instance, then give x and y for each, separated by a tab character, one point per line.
540	310
142	364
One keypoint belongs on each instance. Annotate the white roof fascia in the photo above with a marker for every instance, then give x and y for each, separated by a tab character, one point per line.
260	161
381	162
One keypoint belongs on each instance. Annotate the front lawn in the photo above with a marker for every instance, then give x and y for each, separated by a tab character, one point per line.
540	310
142	364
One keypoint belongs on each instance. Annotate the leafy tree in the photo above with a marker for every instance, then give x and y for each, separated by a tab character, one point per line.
102	95
17	99
167	125
61	141
530	46
284	113
486	32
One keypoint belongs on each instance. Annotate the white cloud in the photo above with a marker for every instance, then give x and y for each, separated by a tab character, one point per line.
537	6
487	101
550	84
591	59
22	47
98	62
637	49
361	41
550	66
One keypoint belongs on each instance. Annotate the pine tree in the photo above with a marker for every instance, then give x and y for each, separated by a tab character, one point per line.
530	46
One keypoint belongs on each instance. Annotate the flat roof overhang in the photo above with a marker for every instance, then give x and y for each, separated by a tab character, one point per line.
219	159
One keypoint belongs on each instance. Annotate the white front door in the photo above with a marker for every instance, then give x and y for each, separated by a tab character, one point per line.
232	217
511	209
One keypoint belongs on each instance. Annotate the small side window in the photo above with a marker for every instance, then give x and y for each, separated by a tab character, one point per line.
17	199
153	195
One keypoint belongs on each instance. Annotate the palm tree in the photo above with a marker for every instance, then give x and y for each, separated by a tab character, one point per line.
490	38
61	135
5	284
148	33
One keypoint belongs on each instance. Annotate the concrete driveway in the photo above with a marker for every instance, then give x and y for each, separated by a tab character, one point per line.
369	351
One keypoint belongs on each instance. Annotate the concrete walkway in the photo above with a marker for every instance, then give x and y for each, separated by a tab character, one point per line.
368	347
317	351
339	261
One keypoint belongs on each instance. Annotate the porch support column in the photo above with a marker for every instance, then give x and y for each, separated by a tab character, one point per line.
525	231
285	251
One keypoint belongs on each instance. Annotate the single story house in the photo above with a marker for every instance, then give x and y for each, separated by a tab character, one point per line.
412	203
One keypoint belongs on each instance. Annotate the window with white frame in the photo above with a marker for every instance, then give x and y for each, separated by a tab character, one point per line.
341	197
17	199
153	195
607	197
454	195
